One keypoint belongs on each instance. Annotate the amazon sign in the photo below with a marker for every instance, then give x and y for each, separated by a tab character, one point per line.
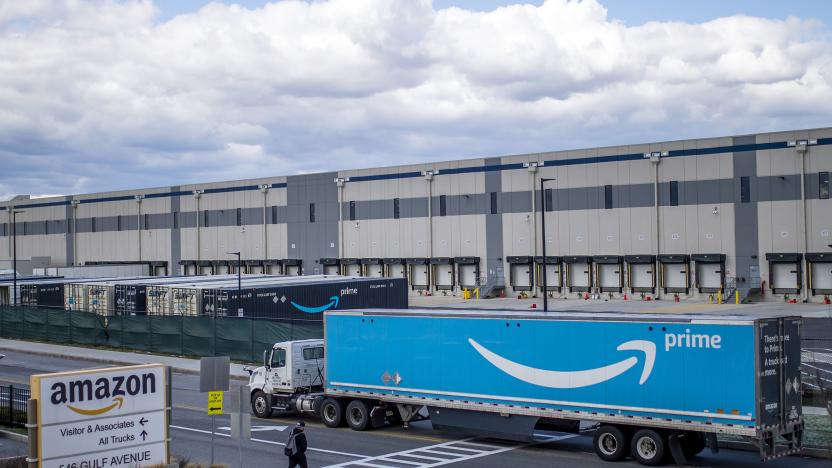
103	417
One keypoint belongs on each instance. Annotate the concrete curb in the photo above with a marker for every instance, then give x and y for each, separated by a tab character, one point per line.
120	362
14	436
814	452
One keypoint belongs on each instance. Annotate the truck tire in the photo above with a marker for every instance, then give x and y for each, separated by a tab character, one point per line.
332	413
692	444
611	443
648	447
260	405
358	415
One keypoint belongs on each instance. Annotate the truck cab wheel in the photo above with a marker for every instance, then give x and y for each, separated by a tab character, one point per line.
332	413
648	447
611	443
260	405
358	415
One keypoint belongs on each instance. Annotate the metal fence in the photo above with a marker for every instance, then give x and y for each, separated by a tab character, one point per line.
241	338
13	405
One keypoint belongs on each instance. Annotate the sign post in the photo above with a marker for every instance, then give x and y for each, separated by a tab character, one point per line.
214	374
240	417
113	417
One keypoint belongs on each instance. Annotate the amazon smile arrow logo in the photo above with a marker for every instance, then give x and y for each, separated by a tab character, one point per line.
117	402
332	304
574	379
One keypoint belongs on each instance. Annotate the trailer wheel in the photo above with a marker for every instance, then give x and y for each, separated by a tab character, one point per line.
610	443
648	447
358	415
332	412
260	405
692	444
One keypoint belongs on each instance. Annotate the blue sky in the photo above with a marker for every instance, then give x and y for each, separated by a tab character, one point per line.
101	95
632	12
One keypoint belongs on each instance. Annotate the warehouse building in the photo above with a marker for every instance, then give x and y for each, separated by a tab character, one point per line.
688	218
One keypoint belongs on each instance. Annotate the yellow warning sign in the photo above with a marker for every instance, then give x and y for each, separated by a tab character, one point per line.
214	403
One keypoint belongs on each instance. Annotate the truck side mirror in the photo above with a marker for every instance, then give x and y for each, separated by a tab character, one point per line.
266	358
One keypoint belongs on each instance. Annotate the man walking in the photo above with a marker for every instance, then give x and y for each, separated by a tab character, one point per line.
296	446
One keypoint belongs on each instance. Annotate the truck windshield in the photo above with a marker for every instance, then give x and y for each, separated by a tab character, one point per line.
278	357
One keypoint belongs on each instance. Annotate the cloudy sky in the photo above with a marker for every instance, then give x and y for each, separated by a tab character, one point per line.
103	95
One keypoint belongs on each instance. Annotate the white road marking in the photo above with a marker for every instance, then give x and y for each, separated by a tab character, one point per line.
432	460
270	442
258	428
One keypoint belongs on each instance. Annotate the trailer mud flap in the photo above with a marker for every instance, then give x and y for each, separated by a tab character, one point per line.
780	412
503	426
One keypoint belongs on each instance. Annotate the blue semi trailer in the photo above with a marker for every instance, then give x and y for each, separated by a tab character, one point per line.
659	387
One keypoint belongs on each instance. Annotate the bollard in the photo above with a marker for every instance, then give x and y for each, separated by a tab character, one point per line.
736	297
719	297
710	298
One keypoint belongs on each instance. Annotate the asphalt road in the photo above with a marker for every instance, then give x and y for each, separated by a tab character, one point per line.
413	447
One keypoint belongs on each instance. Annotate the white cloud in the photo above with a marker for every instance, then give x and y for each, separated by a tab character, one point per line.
98	95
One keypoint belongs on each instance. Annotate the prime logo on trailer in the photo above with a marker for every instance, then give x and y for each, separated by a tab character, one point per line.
112	417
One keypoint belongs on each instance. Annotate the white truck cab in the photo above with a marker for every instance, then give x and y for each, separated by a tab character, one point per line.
291	377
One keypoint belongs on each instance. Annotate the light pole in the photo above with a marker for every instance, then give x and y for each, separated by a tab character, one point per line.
239	283
14	255
543	239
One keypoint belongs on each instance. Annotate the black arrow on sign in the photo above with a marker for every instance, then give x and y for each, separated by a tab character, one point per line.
142	421
144	435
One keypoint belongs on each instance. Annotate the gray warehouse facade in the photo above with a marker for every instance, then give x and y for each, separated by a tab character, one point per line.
685	218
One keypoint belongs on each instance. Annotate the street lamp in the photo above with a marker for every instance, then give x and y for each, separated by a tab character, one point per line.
543	238
14	254
239	284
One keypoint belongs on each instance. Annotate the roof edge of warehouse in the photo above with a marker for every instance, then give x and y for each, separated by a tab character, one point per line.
161	189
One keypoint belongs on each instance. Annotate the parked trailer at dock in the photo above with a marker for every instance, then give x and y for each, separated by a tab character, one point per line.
657	386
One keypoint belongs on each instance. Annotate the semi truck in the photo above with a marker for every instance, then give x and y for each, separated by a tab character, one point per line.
655	387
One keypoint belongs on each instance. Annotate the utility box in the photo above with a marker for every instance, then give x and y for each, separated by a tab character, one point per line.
520	273
785	272
442	273
395	268
468	271
641	275
674	274
373	268
554	277
608	270
820	272
578	273
710	272
418	273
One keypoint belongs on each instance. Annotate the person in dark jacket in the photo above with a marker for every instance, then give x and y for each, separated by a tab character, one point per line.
296	446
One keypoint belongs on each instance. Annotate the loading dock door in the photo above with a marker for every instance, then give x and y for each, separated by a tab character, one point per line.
396	270
223	269
374	270
674	274
579	275
520	275
419	277
709	276
553	277
784	270
160	270
206	270
609	277
820	272
784	277
332	269
468	275
641	277
191	270
255	269
353	269
272	269
293	270
443	276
